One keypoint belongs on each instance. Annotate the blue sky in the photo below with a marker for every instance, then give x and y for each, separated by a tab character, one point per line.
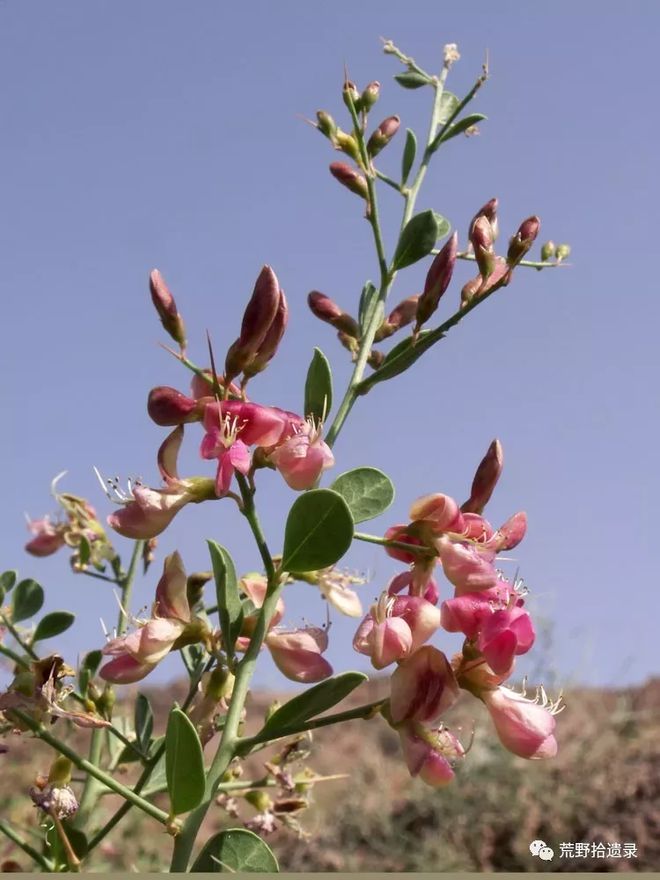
165	134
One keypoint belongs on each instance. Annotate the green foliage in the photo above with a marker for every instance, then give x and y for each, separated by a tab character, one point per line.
7	582
412	80
409	153
367	491
318	387
27	599
233	851
88	669
230	610
144	722
312	702
184	763
417	239
319	530
456	128
53	624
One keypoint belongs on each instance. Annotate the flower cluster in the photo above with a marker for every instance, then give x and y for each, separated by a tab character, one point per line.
486	608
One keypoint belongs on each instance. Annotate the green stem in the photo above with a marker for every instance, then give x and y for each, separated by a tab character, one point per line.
399	545
29	650
185	841
88	767
13	656
126	586
99	577
30	851
532	264
367	711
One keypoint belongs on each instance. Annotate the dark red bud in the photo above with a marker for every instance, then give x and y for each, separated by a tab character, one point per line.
257	319
485	479
165	305
489	211
271	342
481	237
522	241
167	406
437	280
383	135
327	310
350	178
399	317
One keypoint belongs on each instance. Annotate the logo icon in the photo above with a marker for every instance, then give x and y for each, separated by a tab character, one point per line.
541	850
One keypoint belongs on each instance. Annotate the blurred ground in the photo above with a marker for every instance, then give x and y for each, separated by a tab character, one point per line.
604	787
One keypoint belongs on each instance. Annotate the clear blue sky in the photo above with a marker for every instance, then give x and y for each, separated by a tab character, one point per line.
168	134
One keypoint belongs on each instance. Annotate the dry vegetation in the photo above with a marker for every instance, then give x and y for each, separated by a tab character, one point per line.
604	786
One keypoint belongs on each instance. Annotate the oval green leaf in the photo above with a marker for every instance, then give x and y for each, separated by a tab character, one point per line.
412	80
53	624
144	722
312	702
456	128
235	850
230	610
367	491
417	240
319	530
27	599
444	225
448	106
368	301
8	580
184	763
409	153
318	387
88	669
400	358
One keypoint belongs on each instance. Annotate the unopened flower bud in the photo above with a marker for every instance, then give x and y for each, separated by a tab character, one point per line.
195	586
548	251
60	771
563	251
349	342
437	281
326	124
259	800
347	144
485	479
166	307
258	317
481	237
470	290
522	241
489	211
399	317
351	95
383	135
327	310
167	407
269	346
375	359
370	95
350	178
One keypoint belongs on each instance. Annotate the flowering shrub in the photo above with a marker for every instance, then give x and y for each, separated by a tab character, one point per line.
450	578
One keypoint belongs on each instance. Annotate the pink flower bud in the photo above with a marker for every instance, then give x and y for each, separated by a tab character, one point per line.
327	310
430	754
489	211
271	341
383	135
167	406
258	317
522	241
511	533
485	479
439	510
297	653
523	726
437	280
399	317
481	236
171	592
166	307
350	178
302	458
423	687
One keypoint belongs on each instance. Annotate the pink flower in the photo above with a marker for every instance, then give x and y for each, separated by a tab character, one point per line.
302	458
430	754
48	538
405	579
138	652
395	627
467	566
525	727
423	687
440	511
297	653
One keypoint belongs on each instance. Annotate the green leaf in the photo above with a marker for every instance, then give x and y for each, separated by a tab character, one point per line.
367	491
184	763
318	387
144	722
53	624
192	656
88	669
230	611
409	153
368	301
444	226
27	599
234	850
455	129
319	530
8	580
399	359
312	702
448	105
412	80
84	550
54	849
417	240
